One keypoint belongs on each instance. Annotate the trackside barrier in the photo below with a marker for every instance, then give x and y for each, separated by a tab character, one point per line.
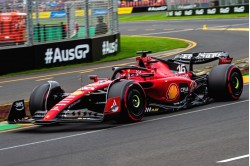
210	11
58	53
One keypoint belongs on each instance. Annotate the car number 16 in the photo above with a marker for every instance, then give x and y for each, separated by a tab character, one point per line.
181	68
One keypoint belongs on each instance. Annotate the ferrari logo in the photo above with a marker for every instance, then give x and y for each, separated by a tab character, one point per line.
173	92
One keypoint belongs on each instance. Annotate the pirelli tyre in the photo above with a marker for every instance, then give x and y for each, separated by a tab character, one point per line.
225	82
43	97
133	100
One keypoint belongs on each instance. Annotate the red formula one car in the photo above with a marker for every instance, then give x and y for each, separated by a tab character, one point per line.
152	85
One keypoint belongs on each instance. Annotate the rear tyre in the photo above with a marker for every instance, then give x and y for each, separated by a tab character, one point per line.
133	101
43	98
225	82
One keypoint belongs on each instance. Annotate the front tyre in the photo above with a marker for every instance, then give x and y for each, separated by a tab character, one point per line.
133	100
225	82
43	97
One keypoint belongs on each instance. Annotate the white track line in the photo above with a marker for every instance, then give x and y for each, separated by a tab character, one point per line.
233	159
90	132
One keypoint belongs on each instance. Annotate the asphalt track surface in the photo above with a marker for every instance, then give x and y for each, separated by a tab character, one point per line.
214	134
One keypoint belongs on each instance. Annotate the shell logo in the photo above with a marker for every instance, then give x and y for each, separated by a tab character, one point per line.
173	92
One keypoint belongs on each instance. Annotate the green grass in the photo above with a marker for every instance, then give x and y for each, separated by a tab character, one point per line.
129	46
162	16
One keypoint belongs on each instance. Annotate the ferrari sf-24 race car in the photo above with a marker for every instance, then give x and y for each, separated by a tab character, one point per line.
152	85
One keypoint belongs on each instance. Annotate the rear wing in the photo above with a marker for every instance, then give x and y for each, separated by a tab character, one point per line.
203	57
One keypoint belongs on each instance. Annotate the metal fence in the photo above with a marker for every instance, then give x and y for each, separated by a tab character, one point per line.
26	22
192	4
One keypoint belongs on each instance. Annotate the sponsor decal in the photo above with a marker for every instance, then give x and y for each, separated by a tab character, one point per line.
172	92
88	88
211	11
113	105
42	15
109	47
150	109
17	111
177	13
188	12
79	13
171	13
186	6
58	55
203	55
100	12
225	10
240	9
199	12
225	60
162	8
133	73
19	106
184	56
125	10
58	14
184	89
209	55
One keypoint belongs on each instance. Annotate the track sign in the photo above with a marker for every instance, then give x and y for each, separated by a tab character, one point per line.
17	111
